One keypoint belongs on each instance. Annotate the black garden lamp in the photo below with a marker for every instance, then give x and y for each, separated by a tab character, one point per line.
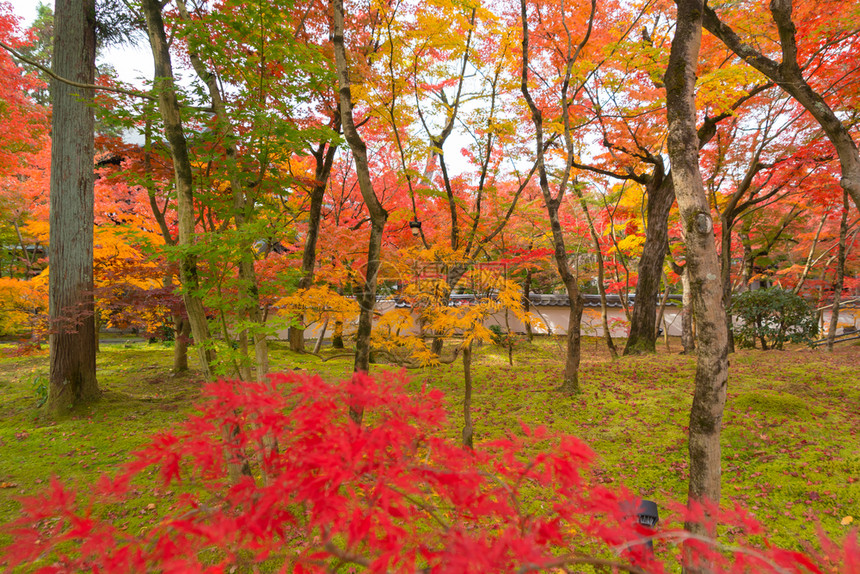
648	516
415	227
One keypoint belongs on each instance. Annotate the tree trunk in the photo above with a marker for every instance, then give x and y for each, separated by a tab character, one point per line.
321	338
687	339
570	384
527	304
173	131
337	335
809	258
378	216
468	428
662	309
70	291
182	330
643	327
726	276
601	274
243	210
321	176
840	274
709	397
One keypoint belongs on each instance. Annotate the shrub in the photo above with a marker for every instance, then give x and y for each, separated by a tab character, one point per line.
23	305
772	316
322	493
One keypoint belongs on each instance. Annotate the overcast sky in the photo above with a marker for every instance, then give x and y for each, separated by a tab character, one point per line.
131	63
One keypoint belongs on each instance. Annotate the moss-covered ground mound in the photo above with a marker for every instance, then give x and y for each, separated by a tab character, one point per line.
791	451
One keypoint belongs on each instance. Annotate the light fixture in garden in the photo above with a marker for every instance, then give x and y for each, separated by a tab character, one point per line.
415	227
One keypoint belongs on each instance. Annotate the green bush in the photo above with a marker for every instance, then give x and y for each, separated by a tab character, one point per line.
772	316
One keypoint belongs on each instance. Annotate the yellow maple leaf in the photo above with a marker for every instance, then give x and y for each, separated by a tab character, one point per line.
847	520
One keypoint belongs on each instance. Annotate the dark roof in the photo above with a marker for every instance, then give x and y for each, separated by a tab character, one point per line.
559	300
591	300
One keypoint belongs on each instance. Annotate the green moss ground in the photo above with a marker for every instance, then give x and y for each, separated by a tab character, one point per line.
791	452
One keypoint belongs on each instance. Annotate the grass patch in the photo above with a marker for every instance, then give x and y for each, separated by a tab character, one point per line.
790	447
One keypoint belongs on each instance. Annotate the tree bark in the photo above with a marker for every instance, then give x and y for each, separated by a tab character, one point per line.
337	335
527	304
601	274
182	330
643	330
788	75
688	341
324	157
702	265
367	290
840	274
173	131
468	428
70	291
726	275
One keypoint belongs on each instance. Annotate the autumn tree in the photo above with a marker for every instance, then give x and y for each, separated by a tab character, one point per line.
798	49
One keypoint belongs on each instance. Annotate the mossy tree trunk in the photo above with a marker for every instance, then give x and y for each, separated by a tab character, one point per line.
70	291
709	397
643	326
468	427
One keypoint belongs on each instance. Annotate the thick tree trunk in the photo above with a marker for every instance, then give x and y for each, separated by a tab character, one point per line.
709	397
70	291
840	274
468	428
570	384
378	216
643	328
173	131
182	331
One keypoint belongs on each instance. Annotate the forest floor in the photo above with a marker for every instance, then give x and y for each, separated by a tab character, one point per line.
791	451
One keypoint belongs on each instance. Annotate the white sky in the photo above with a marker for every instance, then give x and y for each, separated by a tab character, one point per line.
131	63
